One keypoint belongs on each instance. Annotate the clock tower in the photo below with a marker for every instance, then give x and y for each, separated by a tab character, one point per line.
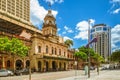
49	25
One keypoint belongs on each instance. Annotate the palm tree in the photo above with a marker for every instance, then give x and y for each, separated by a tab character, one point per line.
69	43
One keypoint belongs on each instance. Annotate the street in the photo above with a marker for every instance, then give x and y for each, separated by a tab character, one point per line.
69	75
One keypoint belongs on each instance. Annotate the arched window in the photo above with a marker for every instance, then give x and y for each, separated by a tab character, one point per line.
59	51
64	53
39	49
52	51
55	51
46	49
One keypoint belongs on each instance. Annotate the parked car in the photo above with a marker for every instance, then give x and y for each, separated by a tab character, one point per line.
92	68
104	68
5	72
23	71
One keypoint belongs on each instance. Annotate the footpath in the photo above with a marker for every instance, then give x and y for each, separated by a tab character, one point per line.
103	75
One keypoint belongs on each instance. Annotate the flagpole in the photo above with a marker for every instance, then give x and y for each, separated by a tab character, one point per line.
88	49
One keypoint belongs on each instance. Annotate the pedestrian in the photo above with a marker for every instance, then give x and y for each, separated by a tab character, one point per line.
86	69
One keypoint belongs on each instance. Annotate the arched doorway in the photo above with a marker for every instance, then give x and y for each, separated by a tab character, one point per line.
53	65
27	64
60	66
64	66
47	66
8	64
18	64
39	66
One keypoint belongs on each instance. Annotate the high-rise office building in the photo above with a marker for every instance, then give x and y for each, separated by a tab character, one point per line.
19	9
103	44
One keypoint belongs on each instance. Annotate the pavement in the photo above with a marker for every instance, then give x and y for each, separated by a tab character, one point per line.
69	75
103	75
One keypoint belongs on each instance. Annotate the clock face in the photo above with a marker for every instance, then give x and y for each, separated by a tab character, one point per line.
47	22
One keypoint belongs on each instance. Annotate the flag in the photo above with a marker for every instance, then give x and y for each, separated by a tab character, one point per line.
93	40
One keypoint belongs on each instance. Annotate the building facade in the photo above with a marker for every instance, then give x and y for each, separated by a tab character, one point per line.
19	9
50	52
103	45
47	50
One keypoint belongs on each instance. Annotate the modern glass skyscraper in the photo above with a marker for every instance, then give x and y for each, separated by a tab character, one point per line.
19	9
103	44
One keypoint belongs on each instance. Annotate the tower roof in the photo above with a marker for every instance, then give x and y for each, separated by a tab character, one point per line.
99	25
49	14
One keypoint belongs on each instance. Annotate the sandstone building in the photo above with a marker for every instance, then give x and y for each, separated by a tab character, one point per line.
48	51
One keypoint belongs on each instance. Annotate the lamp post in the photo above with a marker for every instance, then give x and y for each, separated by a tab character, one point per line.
75	68
88	49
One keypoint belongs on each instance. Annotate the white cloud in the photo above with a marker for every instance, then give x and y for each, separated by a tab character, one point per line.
65	27
82	27
115	8
64	32
38	12
70	31
114	1
67	30
65	38
54	1
58	29
115	36
116	11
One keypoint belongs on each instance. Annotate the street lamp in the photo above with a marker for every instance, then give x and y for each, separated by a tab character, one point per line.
88	49
75	68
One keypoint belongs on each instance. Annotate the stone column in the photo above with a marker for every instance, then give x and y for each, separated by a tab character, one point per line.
3	62
50	65
43	65
24	63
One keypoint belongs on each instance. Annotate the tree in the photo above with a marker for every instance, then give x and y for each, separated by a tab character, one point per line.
69	43
98	58
83	52
81	55
86	50
13	47
115	56
18	48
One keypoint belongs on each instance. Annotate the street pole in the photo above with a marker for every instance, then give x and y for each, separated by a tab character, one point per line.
75	63
88	49
97	64
30	65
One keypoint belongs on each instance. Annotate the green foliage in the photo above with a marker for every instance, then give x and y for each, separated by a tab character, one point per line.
98	58
86	50
4	44
81	55
83	52
115	56
13	46
69	42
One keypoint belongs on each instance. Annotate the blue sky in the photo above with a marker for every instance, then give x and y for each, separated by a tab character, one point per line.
72	17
